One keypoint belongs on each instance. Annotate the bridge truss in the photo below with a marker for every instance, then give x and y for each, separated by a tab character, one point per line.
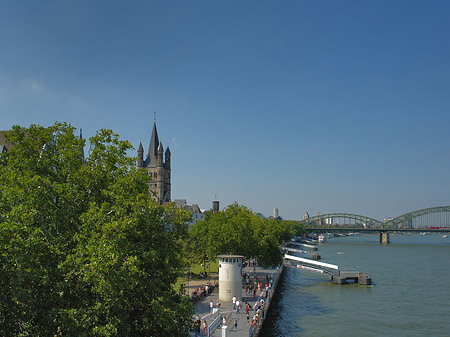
424	218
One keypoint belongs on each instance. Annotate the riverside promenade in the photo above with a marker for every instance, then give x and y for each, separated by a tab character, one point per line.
244	329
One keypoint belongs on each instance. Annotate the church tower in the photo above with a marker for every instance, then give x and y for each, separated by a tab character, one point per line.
157	164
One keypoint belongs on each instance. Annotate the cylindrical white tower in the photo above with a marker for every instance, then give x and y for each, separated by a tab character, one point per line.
230	277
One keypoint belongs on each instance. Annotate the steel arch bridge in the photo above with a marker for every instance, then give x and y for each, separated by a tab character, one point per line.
423	218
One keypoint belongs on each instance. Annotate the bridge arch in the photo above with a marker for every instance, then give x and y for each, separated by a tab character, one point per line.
344	219
428	217
424	218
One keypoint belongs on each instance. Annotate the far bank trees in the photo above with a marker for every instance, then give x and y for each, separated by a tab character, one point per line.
237	230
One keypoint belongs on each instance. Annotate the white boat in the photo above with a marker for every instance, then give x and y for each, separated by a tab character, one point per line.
321	238
444	236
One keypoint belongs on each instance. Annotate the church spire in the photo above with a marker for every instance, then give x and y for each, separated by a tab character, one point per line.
152	153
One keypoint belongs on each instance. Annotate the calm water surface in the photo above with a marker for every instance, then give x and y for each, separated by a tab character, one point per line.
410	295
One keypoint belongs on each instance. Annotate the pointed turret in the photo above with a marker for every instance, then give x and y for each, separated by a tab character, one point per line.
160	154
167	154
140	162
153	147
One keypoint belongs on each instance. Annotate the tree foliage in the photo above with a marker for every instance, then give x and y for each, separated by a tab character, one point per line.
85	249
237	230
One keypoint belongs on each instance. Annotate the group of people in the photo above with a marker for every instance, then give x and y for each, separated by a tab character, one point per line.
203	291
259	308
253	284
256	285
199	323
211	306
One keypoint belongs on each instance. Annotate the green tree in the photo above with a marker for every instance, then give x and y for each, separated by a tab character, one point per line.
85	249
237	230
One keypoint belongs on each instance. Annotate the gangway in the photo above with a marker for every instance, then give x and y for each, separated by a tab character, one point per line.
337	276
312	263
313	247
294	250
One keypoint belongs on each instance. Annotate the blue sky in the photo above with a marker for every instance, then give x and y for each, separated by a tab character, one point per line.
330	106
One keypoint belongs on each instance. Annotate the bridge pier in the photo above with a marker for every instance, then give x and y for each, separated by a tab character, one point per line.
384	237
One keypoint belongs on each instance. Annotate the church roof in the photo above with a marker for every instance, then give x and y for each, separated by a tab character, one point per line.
153	147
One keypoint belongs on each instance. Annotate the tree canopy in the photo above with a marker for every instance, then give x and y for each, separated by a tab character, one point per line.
237	230
85	250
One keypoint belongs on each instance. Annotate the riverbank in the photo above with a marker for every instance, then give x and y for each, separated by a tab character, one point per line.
244	328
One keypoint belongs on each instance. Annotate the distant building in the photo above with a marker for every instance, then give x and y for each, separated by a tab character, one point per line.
275	213
195	210
306	216
157	164
215	206
4	146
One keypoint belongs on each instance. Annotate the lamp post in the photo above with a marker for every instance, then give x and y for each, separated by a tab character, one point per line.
189	272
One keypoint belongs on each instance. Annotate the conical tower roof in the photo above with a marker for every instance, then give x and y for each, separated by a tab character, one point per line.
153	147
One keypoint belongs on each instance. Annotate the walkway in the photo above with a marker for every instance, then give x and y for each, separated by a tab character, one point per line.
202	307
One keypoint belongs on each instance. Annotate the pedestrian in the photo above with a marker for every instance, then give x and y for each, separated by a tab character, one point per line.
238	306
224	320
234	302
205	328
211	306
247	308
248	318
235	325
197	327
218	304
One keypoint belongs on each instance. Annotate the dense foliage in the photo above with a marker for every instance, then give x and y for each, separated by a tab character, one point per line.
85	250
237	230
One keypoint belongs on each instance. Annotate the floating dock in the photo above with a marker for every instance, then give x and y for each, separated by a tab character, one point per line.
351	276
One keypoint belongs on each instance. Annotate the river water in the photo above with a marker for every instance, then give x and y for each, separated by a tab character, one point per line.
410	295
